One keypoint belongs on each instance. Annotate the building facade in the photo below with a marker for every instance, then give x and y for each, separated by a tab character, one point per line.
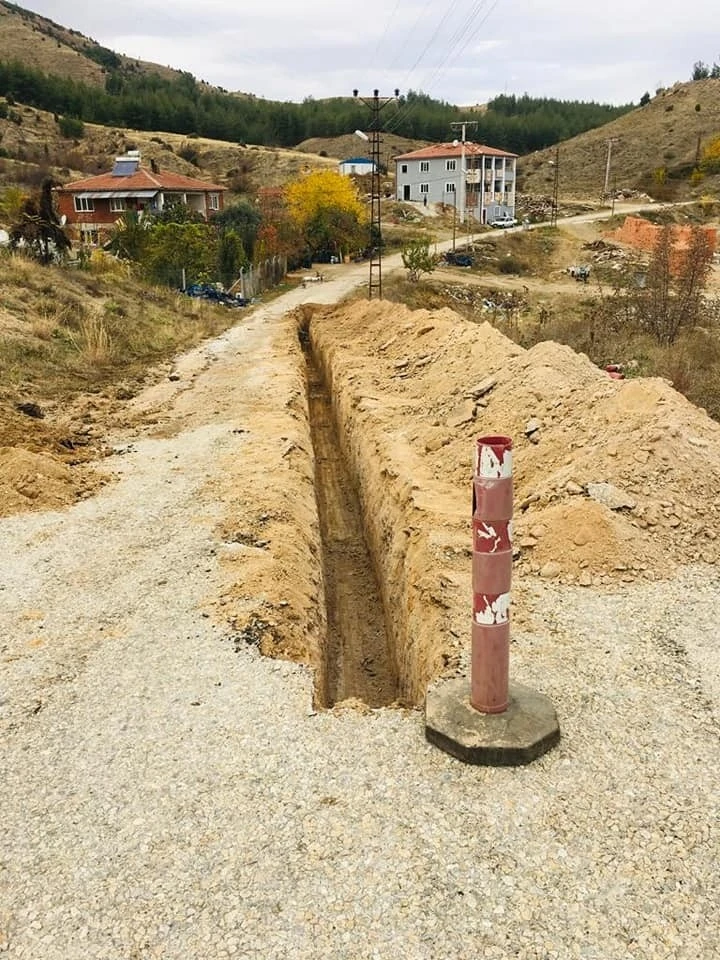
356	166
91	207
478	181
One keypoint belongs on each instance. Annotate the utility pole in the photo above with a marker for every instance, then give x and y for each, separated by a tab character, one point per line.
697	148
376	103
610	141
454	217
462	124
556	187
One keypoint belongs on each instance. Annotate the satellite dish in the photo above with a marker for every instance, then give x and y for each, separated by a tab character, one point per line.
63	220
455	143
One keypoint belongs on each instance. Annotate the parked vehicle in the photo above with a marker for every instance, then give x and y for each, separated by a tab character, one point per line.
504	220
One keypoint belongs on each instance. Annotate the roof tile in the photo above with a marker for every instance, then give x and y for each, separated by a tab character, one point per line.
142	180
441	150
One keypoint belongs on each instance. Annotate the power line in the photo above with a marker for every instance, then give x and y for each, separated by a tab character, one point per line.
454	48
381	39
457	52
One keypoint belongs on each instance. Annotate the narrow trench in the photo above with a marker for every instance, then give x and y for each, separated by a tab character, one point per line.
357	660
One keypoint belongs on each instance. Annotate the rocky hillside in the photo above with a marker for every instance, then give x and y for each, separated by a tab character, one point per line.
45	45
352	146
32	145
653	143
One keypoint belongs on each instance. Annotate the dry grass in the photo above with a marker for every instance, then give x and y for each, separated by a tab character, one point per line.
93	342
27	38
64	332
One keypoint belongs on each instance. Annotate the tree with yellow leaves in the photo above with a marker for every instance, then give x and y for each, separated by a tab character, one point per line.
327	211
710	162
12	200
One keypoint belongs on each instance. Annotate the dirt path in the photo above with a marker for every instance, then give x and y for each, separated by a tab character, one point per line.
521	284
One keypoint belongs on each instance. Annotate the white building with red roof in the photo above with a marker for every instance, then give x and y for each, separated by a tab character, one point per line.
477	180
91	207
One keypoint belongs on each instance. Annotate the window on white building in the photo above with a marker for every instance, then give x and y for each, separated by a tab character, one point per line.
117	204
403	168
424	188
424	166
84	204
450	164
449	188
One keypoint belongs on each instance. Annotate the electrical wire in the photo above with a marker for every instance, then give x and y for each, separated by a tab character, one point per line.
451	50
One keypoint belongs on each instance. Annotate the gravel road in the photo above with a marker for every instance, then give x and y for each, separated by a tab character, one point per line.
167	796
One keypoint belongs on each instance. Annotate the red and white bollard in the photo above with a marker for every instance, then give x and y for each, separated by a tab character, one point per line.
491	574
494	722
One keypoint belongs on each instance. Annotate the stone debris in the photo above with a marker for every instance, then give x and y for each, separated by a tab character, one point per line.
480	389
462	415
610	496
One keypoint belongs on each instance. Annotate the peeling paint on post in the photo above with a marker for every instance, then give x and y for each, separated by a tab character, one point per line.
489	720
491	574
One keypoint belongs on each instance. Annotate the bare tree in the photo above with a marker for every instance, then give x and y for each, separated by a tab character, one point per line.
673	296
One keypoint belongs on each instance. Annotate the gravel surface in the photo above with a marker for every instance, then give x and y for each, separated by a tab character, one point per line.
168	796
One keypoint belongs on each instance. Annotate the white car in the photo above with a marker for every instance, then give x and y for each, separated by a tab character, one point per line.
504	220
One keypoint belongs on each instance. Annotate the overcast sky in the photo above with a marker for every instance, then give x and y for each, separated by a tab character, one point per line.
461	51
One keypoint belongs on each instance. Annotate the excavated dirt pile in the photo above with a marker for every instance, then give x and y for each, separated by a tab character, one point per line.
613	479
344	536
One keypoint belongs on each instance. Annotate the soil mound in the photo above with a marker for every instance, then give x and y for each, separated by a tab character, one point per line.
613	479
33	481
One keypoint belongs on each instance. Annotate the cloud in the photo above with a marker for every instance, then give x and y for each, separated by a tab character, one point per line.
464	52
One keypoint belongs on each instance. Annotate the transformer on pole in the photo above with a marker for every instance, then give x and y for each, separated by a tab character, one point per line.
376	104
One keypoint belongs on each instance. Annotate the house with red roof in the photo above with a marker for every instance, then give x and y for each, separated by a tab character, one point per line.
91	207
477	180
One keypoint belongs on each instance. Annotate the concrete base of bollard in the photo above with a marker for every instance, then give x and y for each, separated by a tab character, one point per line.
525	731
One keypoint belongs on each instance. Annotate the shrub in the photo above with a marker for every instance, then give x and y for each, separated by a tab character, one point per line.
511	264
71	128
189	153
417	258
